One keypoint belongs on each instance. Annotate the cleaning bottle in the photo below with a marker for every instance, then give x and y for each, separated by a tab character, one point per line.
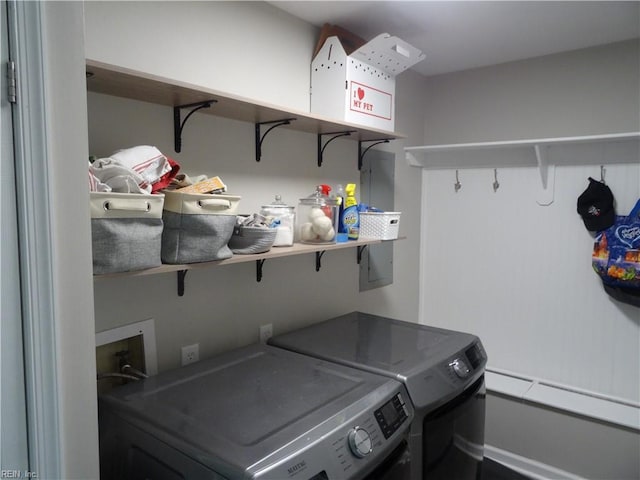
350	216
326	192
343	235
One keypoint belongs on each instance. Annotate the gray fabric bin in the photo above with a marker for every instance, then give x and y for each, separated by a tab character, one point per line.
197	227
248	240
126	231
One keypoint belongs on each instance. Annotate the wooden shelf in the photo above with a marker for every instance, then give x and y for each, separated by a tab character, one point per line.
123	82
126	83
259	258
543	153
275	252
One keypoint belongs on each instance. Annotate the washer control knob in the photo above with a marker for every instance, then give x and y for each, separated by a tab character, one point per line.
359	442
460	368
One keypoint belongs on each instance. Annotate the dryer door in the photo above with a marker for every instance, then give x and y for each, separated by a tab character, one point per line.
454	437
396	466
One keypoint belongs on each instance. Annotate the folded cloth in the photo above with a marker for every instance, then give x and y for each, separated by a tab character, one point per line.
105	174
142	169
95	185
167	178
146	161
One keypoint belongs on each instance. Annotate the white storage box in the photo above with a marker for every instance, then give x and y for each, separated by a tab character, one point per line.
379	225
360	88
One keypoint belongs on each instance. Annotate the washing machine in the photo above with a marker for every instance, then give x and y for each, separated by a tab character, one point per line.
258	412
443	372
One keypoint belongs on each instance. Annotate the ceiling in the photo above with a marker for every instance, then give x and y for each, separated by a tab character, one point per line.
459	35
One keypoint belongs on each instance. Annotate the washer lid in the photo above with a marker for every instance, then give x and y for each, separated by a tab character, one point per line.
415	354
249	406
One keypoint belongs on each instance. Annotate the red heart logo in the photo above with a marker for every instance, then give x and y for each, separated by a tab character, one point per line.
360	93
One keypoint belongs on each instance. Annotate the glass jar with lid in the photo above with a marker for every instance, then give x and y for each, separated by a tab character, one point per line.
282	217
317	218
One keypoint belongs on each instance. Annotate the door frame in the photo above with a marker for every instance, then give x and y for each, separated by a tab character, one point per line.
13	418
30	149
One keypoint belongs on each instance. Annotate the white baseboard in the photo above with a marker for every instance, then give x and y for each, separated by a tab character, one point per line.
531	468
565	397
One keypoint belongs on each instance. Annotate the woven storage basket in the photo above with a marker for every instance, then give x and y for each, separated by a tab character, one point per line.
247	240
379	225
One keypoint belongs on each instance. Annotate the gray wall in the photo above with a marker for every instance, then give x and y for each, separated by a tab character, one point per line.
249	49
518	274
572	443
584	92
223	307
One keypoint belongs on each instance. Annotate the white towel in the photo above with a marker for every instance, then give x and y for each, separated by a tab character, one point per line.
132	170
110	176
146	161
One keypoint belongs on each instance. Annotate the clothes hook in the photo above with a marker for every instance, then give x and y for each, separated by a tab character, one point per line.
457	186
602	172
496	185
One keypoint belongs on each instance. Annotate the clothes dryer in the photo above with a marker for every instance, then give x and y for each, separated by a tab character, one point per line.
443	371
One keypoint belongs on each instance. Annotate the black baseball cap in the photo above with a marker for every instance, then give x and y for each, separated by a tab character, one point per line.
595	205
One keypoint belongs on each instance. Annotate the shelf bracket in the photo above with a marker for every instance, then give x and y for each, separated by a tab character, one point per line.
260	136
318	259
178	124
259	264
335	135
181	275
362	153
361	249
547	176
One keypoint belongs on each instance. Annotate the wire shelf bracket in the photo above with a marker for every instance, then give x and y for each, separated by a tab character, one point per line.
260	136
361	249
178	124
362	153
321	147
181	275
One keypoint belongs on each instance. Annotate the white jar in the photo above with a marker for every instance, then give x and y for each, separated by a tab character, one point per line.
284	218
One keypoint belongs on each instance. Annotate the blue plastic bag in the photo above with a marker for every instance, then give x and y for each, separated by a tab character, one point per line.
616	251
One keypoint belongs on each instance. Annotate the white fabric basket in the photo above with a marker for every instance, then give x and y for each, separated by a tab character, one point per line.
379	225
126	231
197	227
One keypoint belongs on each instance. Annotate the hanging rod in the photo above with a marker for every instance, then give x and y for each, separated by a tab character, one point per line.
178	125
260	137
362	153
335	135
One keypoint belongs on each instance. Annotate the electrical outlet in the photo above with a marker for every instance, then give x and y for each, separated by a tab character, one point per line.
190	354
266	332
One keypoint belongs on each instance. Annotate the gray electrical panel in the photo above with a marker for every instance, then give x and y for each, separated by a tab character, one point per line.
377	189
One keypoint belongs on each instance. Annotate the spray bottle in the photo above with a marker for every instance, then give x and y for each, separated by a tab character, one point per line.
342	231
350	216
